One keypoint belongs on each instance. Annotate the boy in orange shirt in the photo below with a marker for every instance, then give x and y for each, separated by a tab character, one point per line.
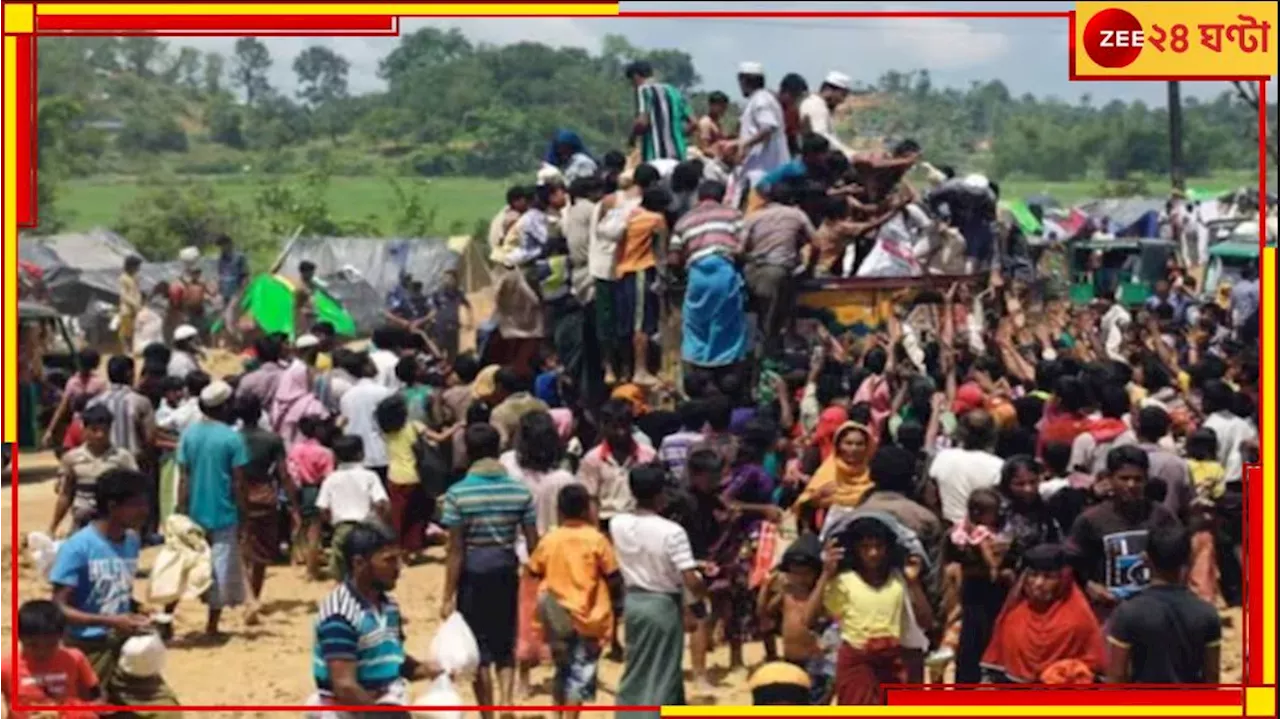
581	585
641	252
47	672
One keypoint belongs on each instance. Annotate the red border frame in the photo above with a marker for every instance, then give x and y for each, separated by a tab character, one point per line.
320	25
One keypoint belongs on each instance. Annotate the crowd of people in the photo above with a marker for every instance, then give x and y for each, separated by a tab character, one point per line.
1004	486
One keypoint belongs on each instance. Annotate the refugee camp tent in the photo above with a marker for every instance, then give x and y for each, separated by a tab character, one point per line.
1137	217
1044	202
1022	214
473	267
381	261
269	299
82	270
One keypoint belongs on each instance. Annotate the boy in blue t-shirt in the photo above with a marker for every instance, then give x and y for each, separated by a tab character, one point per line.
92	579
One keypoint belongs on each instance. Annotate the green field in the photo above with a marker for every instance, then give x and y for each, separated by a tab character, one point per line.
458	201
461	202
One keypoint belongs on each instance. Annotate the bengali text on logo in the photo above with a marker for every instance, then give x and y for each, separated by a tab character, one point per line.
1167	40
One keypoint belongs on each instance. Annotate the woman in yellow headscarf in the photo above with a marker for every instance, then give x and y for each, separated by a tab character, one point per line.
844	477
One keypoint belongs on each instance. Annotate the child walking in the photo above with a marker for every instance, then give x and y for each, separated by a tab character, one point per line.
350	496
580	585
309	462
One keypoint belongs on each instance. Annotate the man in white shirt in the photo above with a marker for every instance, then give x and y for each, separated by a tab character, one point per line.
182	360
959	471
815	111
357	407
1115	319
385	357
1232	430
762	135
657	566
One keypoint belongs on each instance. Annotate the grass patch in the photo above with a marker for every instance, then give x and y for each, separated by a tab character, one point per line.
461	202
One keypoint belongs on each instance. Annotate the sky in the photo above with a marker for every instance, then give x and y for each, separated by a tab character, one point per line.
1028	55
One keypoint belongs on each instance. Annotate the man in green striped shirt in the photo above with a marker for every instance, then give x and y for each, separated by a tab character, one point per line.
662	115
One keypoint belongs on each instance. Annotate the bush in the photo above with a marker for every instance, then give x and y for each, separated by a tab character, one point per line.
210	167
143	133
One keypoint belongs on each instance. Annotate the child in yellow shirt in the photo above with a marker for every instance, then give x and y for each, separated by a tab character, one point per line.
869	599
1208	476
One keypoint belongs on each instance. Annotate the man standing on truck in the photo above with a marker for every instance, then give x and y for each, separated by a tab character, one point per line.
816	110
762	138
662	116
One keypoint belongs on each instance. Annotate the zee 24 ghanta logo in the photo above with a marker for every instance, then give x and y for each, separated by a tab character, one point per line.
1114	38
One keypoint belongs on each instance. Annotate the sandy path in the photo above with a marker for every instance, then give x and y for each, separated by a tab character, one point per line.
271	663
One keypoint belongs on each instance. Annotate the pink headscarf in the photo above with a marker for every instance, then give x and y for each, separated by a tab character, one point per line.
293	401
564	423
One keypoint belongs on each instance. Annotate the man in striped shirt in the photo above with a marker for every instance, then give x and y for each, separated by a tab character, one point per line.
663	119
706	245
485	512
359	656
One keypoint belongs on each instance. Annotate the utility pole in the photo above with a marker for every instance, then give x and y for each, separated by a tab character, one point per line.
1175	136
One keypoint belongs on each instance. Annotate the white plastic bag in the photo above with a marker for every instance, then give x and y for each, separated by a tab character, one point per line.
43	550
440	694
454	648
143	656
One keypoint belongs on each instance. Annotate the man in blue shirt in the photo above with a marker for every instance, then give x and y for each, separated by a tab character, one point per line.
359	657
212	491
92	579
233	269
811	164
233	273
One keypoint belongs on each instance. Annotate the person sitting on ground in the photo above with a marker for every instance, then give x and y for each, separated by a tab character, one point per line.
47	672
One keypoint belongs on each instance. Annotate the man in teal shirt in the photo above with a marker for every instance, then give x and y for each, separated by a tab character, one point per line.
212	492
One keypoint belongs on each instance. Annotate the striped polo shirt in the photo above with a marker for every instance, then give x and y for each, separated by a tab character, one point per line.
489	505
709	228
350	628
668	114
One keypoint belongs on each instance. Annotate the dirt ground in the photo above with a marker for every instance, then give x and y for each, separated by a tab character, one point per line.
272	661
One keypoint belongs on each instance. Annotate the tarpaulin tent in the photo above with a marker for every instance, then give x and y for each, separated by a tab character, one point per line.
269	299
1127	217
381	261
1022	214
81	270
1043	201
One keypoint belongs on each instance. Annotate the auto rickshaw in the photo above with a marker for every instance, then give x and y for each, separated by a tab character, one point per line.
1131	265
43	370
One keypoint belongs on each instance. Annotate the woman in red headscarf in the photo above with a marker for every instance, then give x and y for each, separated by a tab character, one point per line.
824	435
1046	621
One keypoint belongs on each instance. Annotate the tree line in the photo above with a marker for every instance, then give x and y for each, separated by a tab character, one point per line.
454	107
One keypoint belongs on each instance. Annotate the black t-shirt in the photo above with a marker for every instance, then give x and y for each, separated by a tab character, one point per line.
1109	545
1167	629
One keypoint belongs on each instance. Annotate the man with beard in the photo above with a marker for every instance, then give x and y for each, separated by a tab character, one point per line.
359	654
